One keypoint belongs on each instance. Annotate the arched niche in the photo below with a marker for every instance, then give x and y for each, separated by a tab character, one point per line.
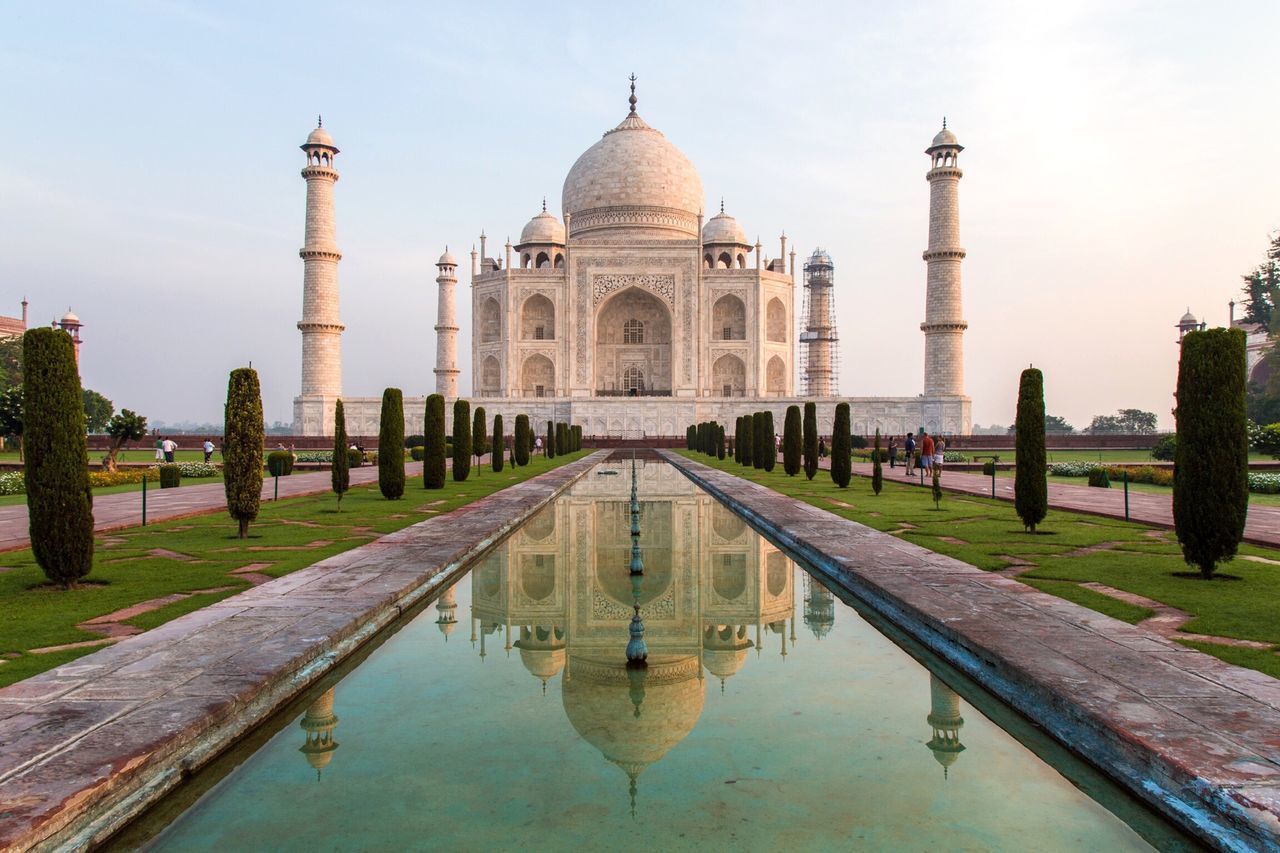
538	376
538	319
632	332
490	321
776	376
729	319
776	321
729	376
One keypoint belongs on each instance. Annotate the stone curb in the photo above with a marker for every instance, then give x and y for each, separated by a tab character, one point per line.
92	744
1195	738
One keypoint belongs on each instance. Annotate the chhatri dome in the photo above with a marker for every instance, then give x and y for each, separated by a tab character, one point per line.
543	228
320	136
723	228
633	183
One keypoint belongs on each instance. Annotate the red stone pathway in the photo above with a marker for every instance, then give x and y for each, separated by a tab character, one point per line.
124	509
1261	528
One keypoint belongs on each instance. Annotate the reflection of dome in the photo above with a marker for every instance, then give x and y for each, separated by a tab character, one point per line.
447	609
724	650
723	228
598	700
633	179
541	651
319	722
543	228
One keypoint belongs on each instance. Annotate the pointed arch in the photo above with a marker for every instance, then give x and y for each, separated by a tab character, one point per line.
776	376
538	319
729	319
490	321
776	321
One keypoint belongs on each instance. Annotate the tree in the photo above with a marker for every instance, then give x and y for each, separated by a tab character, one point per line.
748	439
461	440
937	488
1030	476
1267	440
810	440
757	440
11	362
242	438
841	461
720	442
549	446
499	444
562	438
770	443
479	441
1053	425
1104	425
59	498
123	428
97	410
391	445
689	432
877	472
340	468
523	440
1262	289
792	442
1125	422
433	454
1211	460
11	416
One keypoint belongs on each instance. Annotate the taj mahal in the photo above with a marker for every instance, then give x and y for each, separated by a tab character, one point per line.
635	314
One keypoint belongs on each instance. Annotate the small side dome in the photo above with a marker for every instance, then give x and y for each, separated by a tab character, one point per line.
543	228
945	137
70	319
1188	319
447	259
723	228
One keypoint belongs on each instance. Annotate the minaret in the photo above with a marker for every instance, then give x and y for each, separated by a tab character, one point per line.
69	323
321	328
819	343
318	722
447	328
945	720
944	323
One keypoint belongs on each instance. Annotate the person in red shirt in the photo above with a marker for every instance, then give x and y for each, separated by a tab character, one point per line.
926	453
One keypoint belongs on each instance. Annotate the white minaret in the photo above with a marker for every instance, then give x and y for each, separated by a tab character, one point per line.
447	328
944	323
320	325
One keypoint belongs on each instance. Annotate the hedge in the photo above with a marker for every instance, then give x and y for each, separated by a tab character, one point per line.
169	477
433	453
391	445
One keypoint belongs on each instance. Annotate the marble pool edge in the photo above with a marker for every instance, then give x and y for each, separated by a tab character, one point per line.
52	798
1082	676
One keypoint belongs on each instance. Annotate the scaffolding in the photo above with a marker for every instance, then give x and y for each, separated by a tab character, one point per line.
819	341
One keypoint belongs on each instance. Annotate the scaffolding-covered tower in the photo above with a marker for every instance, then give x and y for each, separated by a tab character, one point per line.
819	341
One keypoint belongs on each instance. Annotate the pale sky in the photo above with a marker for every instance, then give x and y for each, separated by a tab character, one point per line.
1119	168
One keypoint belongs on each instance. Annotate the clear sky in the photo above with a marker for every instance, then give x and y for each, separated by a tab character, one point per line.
1119	168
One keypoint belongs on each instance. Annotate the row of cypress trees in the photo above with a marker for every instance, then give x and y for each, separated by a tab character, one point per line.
707	437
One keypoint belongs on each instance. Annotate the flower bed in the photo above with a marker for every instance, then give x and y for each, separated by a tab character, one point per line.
1267	484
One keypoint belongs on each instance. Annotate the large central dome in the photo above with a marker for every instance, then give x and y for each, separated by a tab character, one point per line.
633	183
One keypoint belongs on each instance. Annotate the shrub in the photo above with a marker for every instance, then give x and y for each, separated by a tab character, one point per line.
279	463
856	442
417	453
340	468
1098	478
461	440
1072	469
323	456
937	488
988	468
1267	484
1266	439
59	498
1211	461
810	440
792	441
877	472
433	452
954	456
412	441
242	447
197	469
1030	483
499	443
14	482
523	440
391	445
169	477
355	457
841	464
1165	448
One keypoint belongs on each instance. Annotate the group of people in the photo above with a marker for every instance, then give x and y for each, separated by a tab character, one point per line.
166	447
926	454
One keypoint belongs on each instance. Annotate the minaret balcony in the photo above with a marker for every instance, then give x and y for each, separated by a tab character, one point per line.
953	254
320	327
329	172
320	254
949	326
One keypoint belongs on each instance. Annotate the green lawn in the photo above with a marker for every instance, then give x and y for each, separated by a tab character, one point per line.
152	485
1136	457
1148	488
1241	603
192	554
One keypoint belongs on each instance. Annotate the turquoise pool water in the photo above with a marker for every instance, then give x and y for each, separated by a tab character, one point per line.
769	715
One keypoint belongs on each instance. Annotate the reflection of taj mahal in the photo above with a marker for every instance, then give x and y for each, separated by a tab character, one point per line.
636	293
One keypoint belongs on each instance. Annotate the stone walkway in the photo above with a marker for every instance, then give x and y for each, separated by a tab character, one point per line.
124	509
93	743
1262	527
1196	738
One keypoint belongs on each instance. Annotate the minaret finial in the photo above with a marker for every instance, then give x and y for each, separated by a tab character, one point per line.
544	204
632	99
721	204
944	122
319	121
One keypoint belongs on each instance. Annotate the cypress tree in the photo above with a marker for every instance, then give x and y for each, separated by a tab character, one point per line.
461	440
792	442
737	440
433	434
1211	458
562	439
770	443
59	497
522	440
242	447
810	440
1030	476
720	442
841	464
549	443
499	443
688	437
748	439
877	473
340	469
391	445
479	441
757	433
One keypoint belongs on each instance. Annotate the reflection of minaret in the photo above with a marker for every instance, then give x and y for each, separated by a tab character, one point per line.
819	607
944	716
542	650
447	608
724	649
319	722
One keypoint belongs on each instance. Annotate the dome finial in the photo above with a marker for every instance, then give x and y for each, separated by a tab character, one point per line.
944	122
632	99
544	204
722	204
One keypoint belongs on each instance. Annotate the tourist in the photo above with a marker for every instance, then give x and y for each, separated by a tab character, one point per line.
208	449
822	448
939	447
168	446
537	444
893	451
909	460
926	453
159	449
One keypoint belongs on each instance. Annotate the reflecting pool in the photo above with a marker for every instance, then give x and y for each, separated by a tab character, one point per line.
767	714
